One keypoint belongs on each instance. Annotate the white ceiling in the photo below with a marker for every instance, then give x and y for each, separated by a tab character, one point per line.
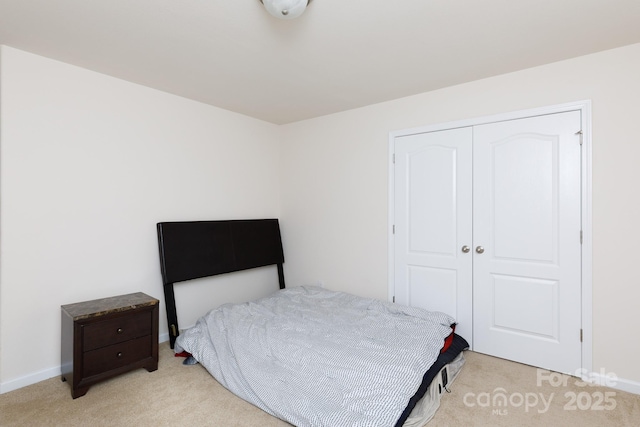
340	54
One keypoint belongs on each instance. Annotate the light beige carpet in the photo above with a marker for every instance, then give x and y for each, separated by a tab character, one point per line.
188	396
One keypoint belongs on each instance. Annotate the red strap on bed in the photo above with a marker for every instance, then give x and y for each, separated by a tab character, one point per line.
448	340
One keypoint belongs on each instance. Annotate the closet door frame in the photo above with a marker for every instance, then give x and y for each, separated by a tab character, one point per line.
586	189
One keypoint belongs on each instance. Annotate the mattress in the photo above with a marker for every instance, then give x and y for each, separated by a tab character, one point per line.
436	381
315	357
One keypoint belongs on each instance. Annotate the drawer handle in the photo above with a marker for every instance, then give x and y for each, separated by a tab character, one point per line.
119	330
119	354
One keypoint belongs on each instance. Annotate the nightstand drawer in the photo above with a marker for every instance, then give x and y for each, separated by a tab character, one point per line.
115	356
113	331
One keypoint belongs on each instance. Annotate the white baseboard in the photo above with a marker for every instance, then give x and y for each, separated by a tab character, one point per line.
617	383
8	386
29	379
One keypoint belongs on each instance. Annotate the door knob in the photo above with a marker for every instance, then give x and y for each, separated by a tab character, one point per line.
480	249
466	249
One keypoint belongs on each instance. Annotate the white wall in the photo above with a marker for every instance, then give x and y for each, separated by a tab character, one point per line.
335	185
88	165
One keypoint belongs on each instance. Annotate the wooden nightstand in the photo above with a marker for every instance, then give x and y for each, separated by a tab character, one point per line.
106	337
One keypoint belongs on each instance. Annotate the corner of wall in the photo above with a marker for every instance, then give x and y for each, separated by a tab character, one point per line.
2	50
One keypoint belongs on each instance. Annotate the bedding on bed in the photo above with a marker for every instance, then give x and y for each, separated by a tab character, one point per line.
315	357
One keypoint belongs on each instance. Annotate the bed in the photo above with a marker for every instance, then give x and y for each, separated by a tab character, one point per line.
307	355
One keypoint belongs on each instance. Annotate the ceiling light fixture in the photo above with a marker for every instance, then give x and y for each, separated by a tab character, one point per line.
285	9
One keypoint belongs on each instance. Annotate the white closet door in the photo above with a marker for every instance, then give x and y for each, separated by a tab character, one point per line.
433	222
527	224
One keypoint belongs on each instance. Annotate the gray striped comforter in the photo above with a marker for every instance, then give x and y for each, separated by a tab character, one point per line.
315	357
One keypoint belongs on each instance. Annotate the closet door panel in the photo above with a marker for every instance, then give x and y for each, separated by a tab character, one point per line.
525	196
433	223
527	214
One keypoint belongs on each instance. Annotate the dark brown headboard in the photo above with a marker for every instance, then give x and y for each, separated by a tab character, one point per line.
194	249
